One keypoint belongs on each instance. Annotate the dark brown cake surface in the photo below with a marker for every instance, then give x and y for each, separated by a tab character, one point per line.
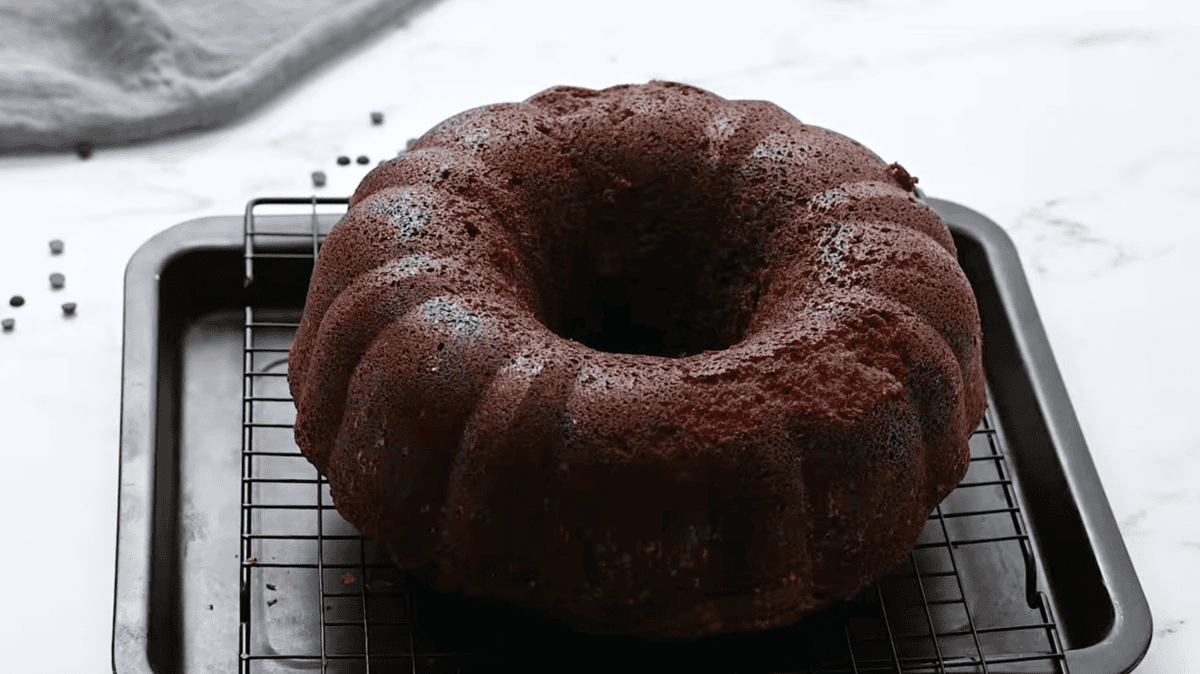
644	359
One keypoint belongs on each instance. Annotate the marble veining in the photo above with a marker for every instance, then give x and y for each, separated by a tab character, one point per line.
1068	248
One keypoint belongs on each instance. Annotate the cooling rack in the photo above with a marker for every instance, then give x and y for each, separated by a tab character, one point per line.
919	618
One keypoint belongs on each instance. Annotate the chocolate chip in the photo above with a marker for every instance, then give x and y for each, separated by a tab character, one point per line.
57	280
270	587
343	160
8	324
56	246
68	308
271	602
318	178
362	159
16	300
377	118
84	148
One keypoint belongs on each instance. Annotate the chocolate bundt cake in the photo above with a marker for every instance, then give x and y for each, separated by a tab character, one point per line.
644	359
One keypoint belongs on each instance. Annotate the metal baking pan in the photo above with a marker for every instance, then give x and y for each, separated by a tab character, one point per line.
231	558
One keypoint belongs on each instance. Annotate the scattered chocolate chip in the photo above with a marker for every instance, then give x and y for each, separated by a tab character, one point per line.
210	607
271	602
56	246
84	148
8	324
16	300
362	159
318	178
377	118
57	280
343	160
68	308
270	587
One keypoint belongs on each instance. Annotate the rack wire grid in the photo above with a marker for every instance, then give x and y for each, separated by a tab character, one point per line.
315	594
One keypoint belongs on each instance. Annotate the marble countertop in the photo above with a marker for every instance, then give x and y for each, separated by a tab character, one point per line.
1072	124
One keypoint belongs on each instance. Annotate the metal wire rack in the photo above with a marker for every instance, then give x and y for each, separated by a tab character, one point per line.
315	594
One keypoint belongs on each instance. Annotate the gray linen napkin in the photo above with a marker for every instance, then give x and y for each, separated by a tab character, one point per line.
109	72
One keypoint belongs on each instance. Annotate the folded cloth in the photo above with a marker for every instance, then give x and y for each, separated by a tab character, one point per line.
107	72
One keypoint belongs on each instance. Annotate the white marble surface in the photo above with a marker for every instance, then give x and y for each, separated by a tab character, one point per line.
1071	123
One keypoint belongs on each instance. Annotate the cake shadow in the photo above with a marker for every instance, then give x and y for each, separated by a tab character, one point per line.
501	634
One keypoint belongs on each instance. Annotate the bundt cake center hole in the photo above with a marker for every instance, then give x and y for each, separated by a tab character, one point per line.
653	272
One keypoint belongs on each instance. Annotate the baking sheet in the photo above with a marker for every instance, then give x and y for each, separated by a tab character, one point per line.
180	606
